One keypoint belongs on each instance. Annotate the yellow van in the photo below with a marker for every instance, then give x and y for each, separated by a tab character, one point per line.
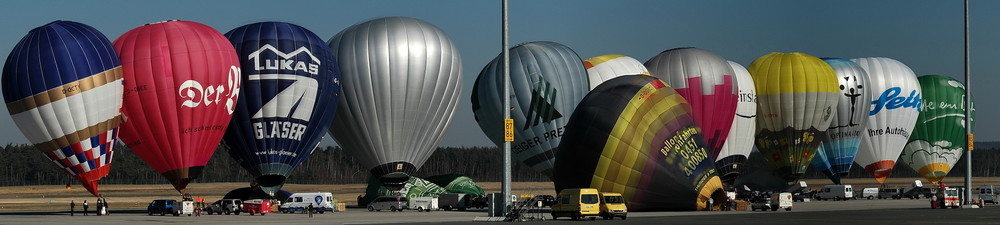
613	205
577	203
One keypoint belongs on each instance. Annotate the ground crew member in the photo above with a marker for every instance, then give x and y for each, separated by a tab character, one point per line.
85	207
72	207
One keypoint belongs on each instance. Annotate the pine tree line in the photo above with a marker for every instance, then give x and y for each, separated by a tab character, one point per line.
23	165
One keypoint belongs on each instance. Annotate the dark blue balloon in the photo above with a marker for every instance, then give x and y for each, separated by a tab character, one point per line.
290	81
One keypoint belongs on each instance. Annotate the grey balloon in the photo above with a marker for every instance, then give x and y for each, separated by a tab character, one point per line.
401	79
547	81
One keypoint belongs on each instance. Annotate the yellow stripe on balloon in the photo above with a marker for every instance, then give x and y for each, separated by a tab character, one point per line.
591	62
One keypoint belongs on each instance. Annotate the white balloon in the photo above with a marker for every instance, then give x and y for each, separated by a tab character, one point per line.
894	108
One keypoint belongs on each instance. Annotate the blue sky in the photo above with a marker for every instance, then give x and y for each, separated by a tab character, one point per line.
927	35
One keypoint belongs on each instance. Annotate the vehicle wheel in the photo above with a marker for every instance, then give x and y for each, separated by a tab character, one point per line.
371	208
262	214
592	218
150	212
420	209
236	213
869	197
623	217
574	217
836	198
251	213
818	198
162	213
283	210
774	209
788	209
392	208
227	212
320	211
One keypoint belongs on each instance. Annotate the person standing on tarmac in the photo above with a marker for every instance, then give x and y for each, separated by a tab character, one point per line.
72	207
85	207
310	209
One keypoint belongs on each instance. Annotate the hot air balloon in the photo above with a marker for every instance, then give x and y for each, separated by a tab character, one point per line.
401	83
739	144
706	81
547	80
605	67
893	112
63	87
840	143
938	138
183	81
636	136
289	87
796	98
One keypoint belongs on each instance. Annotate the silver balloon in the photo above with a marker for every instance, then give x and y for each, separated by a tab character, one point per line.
400	86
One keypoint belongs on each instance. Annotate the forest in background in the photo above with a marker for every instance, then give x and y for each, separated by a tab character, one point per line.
23	165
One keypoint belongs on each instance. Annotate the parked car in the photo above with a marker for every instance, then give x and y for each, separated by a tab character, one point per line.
613	205
893	193
163	207
547	200
802	195
869	193
836	192
226	206
988	193
321	202
392	203
577	203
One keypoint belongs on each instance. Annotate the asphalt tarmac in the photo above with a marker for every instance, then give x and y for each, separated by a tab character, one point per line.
852	212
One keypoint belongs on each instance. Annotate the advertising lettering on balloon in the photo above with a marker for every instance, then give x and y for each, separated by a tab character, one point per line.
890	99
194	94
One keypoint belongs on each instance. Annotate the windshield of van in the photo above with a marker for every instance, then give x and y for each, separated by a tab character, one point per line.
614	199
589	199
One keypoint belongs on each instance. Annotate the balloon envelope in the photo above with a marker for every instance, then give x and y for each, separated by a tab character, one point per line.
63	87
706	81
938	139
400	86
605	67
183	81
893	112
635	135
796	98
840	143
547	80
289	87
739	143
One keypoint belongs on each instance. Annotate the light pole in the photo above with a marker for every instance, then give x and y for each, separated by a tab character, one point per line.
506	114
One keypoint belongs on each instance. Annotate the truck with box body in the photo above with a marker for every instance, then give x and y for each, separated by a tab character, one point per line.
453	201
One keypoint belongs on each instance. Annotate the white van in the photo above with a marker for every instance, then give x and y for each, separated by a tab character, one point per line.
835	192
422	204
321	202
869	193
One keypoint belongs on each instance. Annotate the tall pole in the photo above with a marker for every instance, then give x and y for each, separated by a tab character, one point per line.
506	113
968	114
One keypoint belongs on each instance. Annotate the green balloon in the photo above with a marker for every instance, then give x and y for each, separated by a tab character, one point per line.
939	138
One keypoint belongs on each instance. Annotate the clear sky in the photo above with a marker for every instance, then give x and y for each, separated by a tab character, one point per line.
927	35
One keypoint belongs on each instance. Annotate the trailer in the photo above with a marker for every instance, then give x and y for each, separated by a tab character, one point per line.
453	201
255	206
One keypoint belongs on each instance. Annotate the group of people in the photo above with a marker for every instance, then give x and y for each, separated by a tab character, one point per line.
102	207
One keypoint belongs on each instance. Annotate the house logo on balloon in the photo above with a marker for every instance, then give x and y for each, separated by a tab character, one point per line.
287	61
